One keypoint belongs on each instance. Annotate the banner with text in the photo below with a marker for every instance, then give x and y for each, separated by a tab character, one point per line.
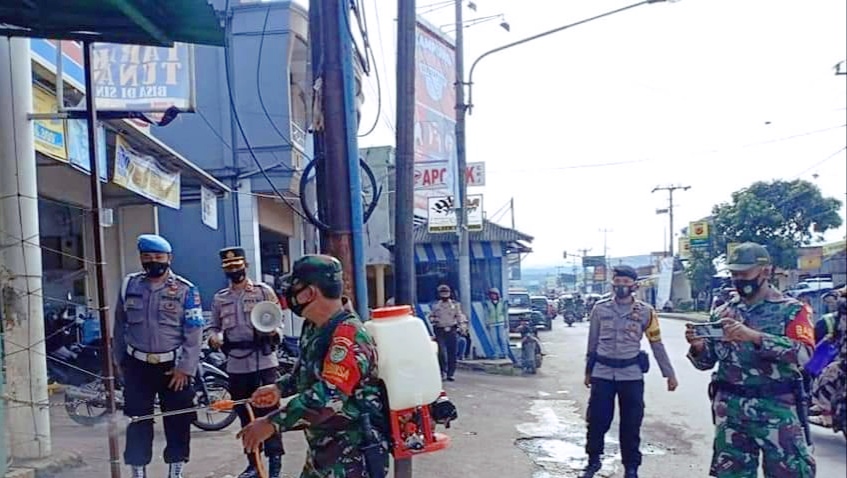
50	136
144	176
143	78
442	217
435	115
209	208
78	148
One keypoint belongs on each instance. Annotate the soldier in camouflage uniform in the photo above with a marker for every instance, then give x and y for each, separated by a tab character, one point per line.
334	384
767	338
828	392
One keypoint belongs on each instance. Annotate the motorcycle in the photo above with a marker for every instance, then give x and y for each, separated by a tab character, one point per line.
287	352
570	318
86	403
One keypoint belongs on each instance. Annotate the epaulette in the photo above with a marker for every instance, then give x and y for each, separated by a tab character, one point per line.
603	301
183	280
222	291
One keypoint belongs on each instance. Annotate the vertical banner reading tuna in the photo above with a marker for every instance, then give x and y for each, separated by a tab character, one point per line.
143	78
435	113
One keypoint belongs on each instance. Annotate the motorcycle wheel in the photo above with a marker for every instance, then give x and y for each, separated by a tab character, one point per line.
210	420
84	413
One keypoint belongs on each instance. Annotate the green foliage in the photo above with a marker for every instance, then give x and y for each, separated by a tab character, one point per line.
700	270
781	215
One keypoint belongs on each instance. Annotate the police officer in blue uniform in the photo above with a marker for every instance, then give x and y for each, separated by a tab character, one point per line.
157	333
251	356
616	366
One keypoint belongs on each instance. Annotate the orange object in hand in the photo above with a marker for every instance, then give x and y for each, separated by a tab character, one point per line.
226	405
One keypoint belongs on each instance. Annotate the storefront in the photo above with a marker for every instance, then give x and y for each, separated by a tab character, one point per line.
436	262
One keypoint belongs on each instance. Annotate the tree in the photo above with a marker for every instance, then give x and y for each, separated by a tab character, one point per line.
781	215
700	269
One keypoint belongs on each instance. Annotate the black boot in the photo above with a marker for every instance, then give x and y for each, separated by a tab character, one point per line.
630	473
275	466
250	471
594	465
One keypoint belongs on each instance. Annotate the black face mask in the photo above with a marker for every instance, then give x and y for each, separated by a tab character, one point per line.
236	277
747	287
155	269
623	291
291	298
444	298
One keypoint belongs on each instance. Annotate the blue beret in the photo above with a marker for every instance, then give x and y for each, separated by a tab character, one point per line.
153	243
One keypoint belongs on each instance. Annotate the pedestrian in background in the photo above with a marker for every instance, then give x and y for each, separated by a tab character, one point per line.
616	367
157	333
756	391
251	355
496	321
447	319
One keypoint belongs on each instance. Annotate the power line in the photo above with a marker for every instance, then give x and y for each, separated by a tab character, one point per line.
670	190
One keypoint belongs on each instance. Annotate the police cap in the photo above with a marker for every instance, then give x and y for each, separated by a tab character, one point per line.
232	257
624	271
154	243
747	256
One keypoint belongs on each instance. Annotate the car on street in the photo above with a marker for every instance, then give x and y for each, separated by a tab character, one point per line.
541	304
520	309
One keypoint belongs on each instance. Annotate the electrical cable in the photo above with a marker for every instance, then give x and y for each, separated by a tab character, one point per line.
312	217
227	50
361	17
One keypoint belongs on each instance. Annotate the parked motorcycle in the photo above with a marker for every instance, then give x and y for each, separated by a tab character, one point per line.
570	317
288	352
87	405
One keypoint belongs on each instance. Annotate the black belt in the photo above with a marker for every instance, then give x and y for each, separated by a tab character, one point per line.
755	391
617	363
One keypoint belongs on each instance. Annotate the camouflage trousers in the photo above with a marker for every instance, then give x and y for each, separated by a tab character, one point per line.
828	389
747	428
325	462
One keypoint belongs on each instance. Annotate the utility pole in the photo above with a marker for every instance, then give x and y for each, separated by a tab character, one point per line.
670	190
28	421
605	257
340	163
404	199
461	166
404	244
584	269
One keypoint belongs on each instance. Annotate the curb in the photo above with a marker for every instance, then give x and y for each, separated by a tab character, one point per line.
488	366
46	467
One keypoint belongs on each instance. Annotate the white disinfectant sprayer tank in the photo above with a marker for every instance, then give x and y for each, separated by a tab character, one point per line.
407	364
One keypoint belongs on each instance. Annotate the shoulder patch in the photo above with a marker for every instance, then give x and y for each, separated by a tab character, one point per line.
603	301
341	365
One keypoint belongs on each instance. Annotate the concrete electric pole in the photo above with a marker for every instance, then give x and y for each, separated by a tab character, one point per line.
28	421
670	190
605	257
461	166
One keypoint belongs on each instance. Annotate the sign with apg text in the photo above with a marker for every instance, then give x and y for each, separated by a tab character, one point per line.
438	175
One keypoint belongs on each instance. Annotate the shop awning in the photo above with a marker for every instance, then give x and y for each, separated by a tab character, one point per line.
136	22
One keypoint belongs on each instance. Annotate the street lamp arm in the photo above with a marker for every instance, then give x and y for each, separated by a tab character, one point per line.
540	35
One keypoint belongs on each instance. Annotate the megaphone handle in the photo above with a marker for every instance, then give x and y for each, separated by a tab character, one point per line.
257	456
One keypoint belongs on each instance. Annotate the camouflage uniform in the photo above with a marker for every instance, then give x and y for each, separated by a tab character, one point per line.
829	388
748	425
332	389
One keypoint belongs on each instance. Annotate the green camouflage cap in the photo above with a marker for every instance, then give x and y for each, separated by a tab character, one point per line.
316	269
747	256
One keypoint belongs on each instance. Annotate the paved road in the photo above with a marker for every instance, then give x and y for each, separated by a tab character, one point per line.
510	427
677	428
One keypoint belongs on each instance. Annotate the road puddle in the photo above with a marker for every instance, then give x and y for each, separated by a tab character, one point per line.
555	441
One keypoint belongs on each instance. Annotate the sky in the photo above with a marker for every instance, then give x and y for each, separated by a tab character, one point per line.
580	126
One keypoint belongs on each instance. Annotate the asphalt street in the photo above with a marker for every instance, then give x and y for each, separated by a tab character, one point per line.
509	426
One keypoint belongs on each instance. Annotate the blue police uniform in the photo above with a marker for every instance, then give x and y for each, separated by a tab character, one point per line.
158	328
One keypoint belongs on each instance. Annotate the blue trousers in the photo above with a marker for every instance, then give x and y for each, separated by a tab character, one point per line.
499	336
601	411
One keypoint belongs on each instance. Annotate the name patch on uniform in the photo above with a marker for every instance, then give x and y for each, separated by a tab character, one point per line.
340	367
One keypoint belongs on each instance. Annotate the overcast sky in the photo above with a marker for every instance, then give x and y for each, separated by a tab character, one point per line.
712	94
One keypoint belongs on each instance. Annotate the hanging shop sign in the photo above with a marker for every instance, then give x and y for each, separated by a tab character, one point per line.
143	175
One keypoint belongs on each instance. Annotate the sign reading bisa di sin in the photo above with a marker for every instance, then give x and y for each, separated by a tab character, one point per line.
143	78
